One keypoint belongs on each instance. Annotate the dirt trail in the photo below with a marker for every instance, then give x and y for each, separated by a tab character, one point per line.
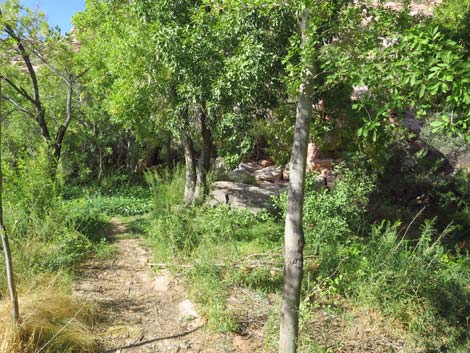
143	312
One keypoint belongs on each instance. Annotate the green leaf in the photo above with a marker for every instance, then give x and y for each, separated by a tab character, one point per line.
445	118
437	123
422	90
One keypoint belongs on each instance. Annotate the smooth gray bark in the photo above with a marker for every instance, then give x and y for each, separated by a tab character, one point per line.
15	313
190	163
294	235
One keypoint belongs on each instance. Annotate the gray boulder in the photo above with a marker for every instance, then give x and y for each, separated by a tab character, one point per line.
239	195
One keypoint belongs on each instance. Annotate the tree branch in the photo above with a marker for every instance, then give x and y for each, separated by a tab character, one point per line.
27	60
48	65
18	106
82	73
19	90
63	128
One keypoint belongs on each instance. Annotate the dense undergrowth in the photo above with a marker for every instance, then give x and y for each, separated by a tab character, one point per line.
408	273
52	230
405	273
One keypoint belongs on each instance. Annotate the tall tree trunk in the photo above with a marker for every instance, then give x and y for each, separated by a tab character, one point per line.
294	235
190	162
202	189
15	314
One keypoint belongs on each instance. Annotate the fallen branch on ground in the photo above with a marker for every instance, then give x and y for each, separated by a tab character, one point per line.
241	266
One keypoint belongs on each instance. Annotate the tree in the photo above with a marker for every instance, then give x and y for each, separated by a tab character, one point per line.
294	235
407	63
200	70
15	313
317	29
127	82
27	40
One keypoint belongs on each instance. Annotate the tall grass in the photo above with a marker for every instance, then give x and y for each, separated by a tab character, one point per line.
51	322
48	242
418	282
408	275
166	187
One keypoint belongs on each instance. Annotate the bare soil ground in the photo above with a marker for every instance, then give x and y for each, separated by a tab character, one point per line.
143	312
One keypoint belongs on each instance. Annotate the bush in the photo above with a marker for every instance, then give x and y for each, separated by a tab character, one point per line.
185	231
166	189
333	217
30	185
410	278
418	178
131	201
414	281
50	245
47	233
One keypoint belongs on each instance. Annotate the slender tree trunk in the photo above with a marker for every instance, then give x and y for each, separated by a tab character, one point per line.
100	165
190	162
59	139
15	314
202	189
294	235
168	156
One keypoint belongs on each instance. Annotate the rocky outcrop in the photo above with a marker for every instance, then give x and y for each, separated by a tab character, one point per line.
239	195
270	174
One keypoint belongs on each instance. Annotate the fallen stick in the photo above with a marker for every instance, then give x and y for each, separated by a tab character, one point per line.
243	266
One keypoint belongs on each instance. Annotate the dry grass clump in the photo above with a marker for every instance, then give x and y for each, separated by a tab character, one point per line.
51	322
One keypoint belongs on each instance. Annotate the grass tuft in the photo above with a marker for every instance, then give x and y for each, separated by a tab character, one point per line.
51	321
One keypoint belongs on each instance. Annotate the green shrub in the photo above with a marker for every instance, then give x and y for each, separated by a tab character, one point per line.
166	188
126	202
62	253
47	233
333	217
87	218
454	16
30	184
414	281
185	230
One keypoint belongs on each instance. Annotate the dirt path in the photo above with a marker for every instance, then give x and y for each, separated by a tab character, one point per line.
143	312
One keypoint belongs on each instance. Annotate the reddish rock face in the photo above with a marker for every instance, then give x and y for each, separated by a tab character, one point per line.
314	163
265	163
312	155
